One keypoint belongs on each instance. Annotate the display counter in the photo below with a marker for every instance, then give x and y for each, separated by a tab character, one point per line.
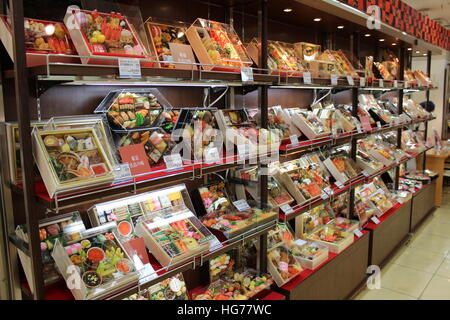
423	204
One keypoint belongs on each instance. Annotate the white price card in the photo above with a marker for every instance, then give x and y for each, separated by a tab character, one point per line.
129	68
324	196
122	171
243	151
365	173
395	84
375	220
173	161
294	140
334	79
379	124
396	121
241	205
212	155
358	233
339	184
300	242
381	83
307	78
247	74
350	81
362	82
328	190
287	209
358	128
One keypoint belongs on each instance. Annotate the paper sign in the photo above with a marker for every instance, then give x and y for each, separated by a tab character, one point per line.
300	242
129	68
182	53
122	170
350	80
358	128
358	233
381	83
136	158
365	122
212	155
375	220
294	140
334	79
307	78
362	82
287	209
246	74
241	205
173	161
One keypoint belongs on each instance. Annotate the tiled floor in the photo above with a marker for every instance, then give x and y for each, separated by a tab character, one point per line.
421	269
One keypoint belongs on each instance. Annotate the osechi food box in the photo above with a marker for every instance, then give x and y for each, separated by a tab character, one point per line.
217	46
41	39
71	158
96	35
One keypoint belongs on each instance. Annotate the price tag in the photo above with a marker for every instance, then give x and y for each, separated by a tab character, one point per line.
358	128
129	68
339	184
307	78
381	83
328	190
212	155
350	80
287	209
379	124
241	205
300	242
395	84
365	173
324	196
334	79
173	161
294	140
362	82
243	150
247	74
396	121
358	233
375	220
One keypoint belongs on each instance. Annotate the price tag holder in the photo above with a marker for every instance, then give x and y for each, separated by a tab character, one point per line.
212	155
334	79
381	83
324	196
375	220
247	74
241	205
362	82
358	233
358	128
287	209
173	161
129	68
307	78
350	81
328	190
294	140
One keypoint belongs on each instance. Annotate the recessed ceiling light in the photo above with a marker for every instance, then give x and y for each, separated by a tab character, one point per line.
367	35
287	10
340	27
317	19
381	40
424	54
417	51
409	49
394	44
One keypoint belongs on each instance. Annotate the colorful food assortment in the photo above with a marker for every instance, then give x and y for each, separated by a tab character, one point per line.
414	110
277	193
308	123
307	51
315	218
169	119
156	143
108	33
73	156
279	235
309	251
173	288
130	110
100	260
328	234
282	57
221	215
344	224
222	44
277	124
282	265
237	286
162	35
220	266
342	167
412	142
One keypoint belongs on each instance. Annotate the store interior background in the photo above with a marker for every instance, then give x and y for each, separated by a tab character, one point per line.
284	28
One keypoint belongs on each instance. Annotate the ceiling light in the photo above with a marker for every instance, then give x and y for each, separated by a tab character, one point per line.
381	40
417	51
394	44
340	27
367	35
424	54
317	19
287	10
409	49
